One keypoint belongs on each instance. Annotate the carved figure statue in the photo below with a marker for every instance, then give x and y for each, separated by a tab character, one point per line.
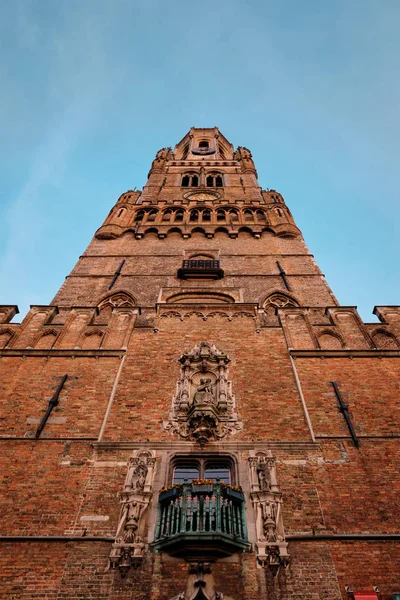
264	476
204	393
140	473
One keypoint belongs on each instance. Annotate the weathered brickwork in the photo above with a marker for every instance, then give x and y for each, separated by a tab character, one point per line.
247	365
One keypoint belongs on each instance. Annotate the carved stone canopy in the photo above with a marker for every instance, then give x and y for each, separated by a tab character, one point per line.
203	406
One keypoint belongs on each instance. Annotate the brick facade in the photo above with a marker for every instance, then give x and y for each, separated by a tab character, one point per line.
81	500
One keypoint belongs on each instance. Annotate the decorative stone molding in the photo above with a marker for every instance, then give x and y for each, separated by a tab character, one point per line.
271	546
129	546
204	406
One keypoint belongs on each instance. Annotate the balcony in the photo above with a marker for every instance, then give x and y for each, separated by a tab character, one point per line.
200	269
201	521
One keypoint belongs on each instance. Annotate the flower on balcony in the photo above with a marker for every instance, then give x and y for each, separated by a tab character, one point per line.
171	487
237	488
202	482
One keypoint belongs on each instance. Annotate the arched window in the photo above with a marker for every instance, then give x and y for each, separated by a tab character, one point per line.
206	215
179	216
195	181
185	181
221	215
139	215
260	215
214	181
234	215
194	215
204	144
248	215
167	215
278	210
152	216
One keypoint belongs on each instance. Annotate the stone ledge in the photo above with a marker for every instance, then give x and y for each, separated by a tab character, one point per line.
368	353
54	352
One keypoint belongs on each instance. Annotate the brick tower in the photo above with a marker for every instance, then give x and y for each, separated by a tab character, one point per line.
194	416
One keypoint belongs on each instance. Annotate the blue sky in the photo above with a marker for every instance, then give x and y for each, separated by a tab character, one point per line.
91	90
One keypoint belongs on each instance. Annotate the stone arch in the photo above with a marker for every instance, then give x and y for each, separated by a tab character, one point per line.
46	339
222	230
151	230
117	299
330	340
201	255
200	297
278	299
5	336
174	230
198	230
245	230
384	340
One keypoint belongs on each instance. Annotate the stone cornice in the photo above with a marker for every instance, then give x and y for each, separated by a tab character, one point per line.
60	352
345	353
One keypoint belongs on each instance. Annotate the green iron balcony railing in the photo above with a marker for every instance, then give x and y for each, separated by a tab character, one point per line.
201	520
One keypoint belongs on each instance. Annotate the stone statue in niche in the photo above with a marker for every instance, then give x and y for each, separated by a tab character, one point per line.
203	407
264	475
128	548
267	501
204	393
139	475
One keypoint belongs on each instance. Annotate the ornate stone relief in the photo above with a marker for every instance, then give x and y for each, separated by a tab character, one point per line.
279	301
203	407
128	548
200	586
267	501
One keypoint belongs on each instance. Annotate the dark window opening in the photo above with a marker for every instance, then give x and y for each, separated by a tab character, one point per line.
260	215
121	212
248	215
187	471
203	144
203	468
210	181
220	215
139	215
218	181
206	215
195	181
219	471
167	215
152	216
194	215
234	215
179	216
185	181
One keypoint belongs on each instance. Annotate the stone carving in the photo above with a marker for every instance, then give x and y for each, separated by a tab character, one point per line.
201	587
128	548
267	501
278	300
117	300
203	406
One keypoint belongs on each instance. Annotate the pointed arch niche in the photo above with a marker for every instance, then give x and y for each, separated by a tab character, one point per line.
116	300
274	301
